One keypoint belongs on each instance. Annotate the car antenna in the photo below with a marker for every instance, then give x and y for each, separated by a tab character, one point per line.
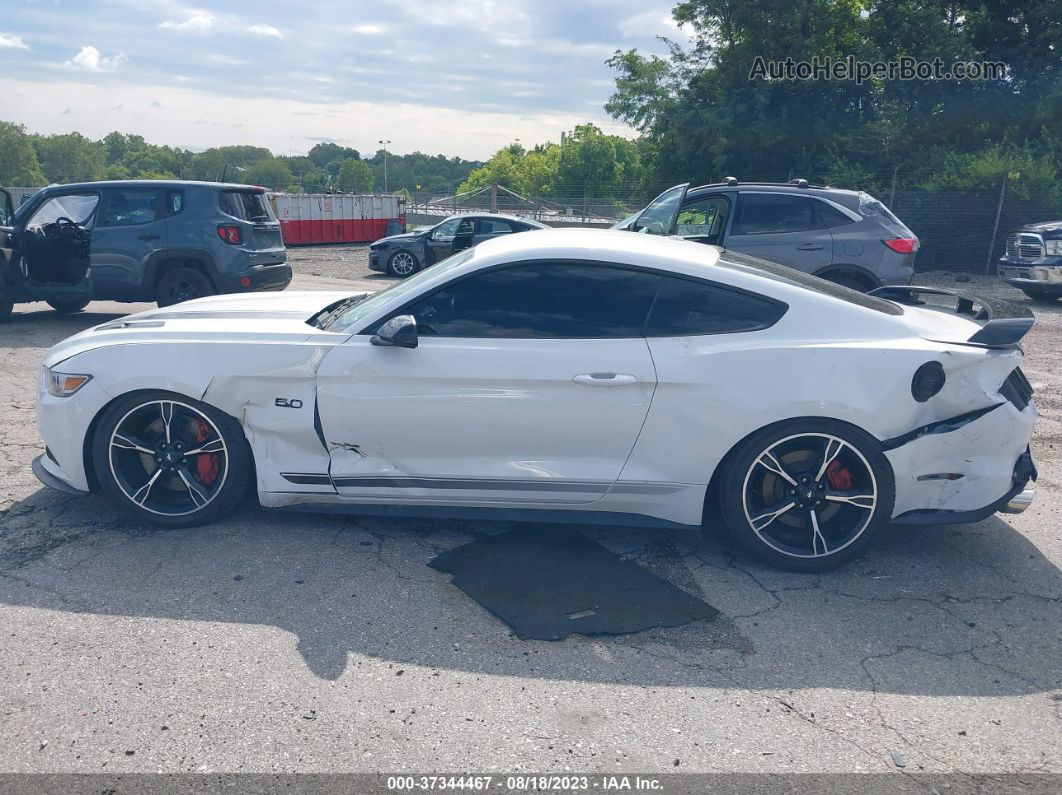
224	172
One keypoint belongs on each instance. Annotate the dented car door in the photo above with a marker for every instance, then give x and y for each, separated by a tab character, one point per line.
496	403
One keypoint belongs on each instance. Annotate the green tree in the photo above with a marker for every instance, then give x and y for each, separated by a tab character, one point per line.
269	172
703	115
325	152
355	176
18	159
70	158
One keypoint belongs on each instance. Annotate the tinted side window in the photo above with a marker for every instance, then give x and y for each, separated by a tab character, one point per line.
765	213
686	308
489	226
131	207
541	300
830	216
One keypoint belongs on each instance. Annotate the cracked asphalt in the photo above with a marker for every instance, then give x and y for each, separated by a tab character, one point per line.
278	642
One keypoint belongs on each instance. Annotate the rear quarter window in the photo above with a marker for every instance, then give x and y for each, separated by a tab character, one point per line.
830	216
686	308
773	270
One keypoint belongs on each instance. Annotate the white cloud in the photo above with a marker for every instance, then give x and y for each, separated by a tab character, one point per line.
194	22
12	41
367	30
191	117
265	30
92	60
657	22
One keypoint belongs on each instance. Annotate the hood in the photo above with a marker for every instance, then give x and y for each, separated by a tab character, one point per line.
1051	230
253	317
397	238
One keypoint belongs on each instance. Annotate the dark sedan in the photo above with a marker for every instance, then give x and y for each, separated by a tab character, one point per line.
404	255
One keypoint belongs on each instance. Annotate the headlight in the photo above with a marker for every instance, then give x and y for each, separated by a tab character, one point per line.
1053	248
63	384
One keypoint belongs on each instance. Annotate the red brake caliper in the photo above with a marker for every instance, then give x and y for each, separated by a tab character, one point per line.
839	477
206	464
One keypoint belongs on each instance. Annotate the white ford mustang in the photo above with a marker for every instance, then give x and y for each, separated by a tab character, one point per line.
576	374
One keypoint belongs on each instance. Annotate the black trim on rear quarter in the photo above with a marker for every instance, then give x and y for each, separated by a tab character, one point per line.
940	426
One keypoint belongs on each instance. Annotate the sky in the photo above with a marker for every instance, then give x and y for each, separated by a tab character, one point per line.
459	78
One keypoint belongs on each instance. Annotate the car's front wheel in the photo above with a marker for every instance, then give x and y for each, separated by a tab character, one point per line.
171	460
807	495
402	264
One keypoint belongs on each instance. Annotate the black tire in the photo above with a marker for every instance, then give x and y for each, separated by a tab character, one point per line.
1046	296
403	264
182	284
5	309
828	509
850	281
170	499
68	307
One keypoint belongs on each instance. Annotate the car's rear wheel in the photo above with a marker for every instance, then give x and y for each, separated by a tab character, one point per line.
68	307
5	309
402	264
849	280
171	460
1041	295
807	495
182	284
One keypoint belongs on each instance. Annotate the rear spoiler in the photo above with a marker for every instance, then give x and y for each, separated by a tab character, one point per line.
1002	323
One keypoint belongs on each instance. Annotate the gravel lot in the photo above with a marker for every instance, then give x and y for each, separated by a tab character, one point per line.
278	642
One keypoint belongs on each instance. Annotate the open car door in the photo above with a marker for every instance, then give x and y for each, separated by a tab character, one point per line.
7	210
660	216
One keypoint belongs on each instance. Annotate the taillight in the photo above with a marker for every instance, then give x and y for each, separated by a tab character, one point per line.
230	234
902	245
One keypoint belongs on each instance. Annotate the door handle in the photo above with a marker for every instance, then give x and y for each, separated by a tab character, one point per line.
148	237
808	247
605	379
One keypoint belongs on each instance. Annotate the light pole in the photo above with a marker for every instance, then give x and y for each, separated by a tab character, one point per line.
385	144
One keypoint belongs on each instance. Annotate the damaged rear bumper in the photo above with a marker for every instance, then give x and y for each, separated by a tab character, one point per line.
1017	499
964	469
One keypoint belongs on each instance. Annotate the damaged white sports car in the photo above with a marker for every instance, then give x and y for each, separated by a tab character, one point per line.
576	374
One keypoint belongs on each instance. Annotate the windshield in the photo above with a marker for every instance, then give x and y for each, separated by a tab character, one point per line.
347	320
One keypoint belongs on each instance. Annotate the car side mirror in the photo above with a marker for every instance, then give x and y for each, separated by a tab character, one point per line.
7	208
400	331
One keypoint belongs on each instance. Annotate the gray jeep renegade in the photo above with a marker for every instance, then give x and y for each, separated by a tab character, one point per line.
144	240
845	236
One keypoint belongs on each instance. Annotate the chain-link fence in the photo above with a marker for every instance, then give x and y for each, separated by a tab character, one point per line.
959	230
